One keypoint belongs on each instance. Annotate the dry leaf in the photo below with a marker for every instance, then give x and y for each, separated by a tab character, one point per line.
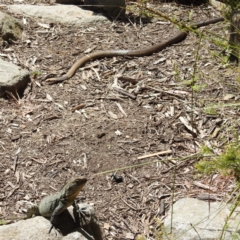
118	133
106	226
228	97
112	115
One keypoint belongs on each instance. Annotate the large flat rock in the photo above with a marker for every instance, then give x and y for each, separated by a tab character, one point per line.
65	14
12	78
10	28
194	219
37	228
31	229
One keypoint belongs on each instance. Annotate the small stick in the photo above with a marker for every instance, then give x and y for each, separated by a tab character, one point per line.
155	154
15	163
124	93
11	95
204	186
128	79
38	161
78	107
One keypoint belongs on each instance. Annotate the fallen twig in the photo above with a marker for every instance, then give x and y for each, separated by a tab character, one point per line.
155	154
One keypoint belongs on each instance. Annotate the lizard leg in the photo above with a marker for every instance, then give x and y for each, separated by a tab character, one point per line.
81	215
50	229
33	211
60	208
75	213
53	218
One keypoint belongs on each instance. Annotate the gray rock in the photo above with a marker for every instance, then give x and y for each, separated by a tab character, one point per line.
76	236
69	228
90	222
31	229
10	28
69	15
12	78
195	219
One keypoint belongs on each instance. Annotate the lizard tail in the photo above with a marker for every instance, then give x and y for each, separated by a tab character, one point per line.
33	211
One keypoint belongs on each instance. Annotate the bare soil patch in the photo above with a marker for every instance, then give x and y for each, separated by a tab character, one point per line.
44	143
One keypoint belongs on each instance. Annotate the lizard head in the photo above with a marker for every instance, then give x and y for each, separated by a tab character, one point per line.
74	186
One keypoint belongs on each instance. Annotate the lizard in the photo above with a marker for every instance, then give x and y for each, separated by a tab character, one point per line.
53	205
132	53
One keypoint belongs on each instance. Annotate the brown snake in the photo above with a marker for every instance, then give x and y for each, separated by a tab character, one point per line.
133	53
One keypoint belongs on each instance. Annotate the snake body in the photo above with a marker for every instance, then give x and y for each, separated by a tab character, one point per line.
132	53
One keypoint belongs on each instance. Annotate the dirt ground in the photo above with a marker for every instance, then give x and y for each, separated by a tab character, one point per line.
44	142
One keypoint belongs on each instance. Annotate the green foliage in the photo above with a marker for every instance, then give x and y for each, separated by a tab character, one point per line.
231	6
211	109
177	73
234	4
2	222
198	88
205	167
235	236
238	80
206	150
190	15
160	229
36	73
228	163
